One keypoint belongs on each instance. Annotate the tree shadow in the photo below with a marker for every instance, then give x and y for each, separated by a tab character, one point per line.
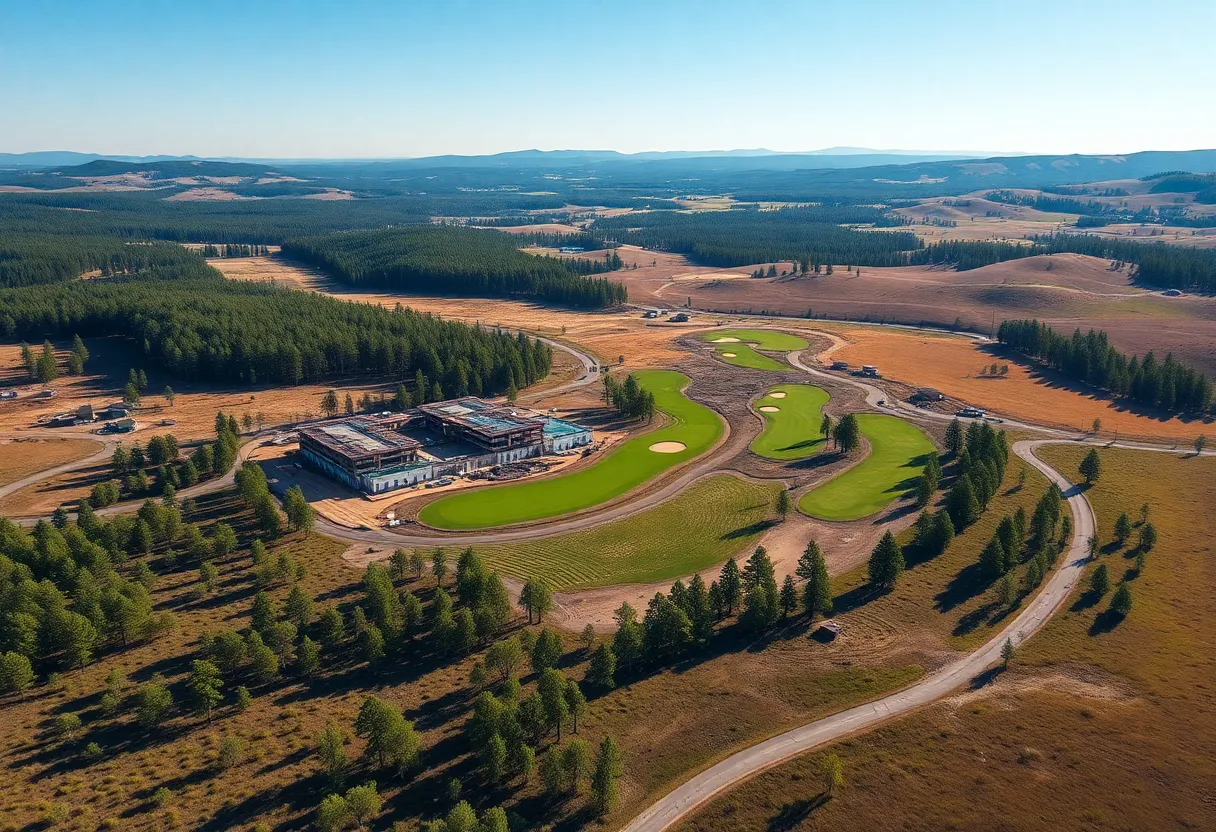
1085	601
973	619
964	586
750	529
795	812
1104	622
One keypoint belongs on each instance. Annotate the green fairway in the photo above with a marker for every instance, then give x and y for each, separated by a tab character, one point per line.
762	338
898	452
712	520
735	346
793	431
741	355
628	466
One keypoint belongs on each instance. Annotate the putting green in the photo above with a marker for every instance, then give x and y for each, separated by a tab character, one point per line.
898	453
792	432
735	346
628	466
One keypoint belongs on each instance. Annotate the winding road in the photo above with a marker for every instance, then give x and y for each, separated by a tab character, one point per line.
748	762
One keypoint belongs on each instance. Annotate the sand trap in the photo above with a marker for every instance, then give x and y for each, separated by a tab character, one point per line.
726	340
776	395
768	408
668	447
729	355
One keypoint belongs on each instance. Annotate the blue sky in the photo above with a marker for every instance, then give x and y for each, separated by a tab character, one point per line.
355	79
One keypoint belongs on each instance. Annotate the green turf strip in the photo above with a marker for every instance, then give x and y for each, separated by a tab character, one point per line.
898	453
793	431
764	339
741	355
624	468
713	519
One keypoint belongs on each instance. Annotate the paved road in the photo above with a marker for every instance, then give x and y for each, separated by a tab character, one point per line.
747	763
107	450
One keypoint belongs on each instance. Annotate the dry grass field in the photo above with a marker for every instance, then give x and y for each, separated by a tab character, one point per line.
20	457
953	365
1100	725
1064	290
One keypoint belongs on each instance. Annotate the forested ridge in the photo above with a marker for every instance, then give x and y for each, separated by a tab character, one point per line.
740	237
447	260
1089	358
27	259
198	326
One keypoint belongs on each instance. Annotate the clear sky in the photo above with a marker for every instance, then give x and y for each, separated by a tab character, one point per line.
385	79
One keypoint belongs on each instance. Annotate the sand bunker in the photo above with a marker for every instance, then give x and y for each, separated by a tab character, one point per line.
726	340
667	447
729	355
768	408
776	395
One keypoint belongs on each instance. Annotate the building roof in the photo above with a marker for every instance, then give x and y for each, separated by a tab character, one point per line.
480	416
358	436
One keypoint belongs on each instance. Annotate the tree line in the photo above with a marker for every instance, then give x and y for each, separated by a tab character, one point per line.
198	326
812	234
1090	358
449	260
30	259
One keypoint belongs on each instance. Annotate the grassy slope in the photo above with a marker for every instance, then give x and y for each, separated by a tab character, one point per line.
717	517
1094	729
625	468
895	460
793	431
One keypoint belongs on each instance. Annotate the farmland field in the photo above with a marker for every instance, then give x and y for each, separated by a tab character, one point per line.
633	463
898	451
714	519
792	431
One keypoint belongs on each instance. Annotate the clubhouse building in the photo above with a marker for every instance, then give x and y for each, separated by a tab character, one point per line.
383	452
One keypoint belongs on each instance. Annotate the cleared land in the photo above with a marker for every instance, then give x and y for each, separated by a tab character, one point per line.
898	452
952	365
1099	725
1064	290
713	519
791	431
21	457
630	465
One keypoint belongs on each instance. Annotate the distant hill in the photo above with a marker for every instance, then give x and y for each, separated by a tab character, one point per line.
166	169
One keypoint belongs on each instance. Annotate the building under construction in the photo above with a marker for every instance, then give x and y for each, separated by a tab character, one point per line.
386	451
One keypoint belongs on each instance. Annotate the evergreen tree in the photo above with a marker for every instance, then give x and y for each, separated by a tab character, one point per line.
1091	466
886	562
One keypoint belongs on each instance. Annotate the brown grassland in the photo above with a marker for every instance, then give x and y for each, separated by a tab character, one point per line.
21	457
953	365
1099	725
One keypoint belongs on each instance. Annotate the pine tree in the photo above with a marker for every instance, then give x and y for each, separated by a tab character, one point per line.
886	562
1091	466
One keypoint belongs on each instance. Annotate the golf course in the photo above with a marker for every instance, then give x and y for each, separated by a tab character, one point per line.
897	454
738	346
792	418
692	430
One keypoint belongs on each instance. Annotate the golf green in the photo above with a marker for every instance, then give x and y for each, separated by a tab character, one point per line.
629	465
738	346
791	431
898	453
765	339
